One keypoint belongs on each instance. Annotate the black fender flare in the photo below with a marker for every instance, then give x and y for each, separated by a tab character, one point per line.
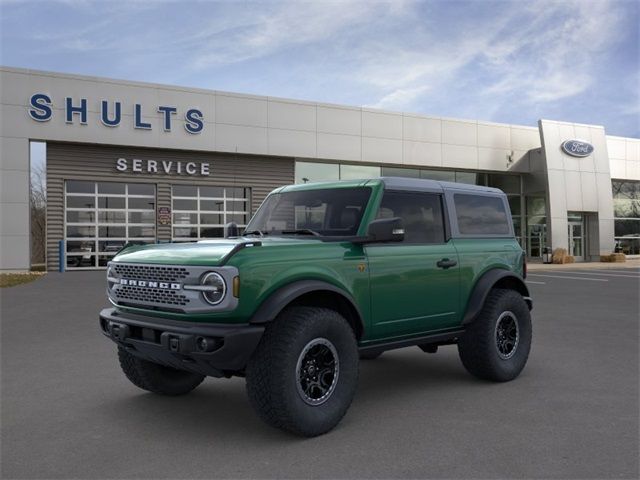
278	300
485	283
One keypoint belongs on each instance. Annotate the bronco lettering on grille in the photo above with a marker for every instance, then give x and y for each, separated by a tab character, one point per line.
150	284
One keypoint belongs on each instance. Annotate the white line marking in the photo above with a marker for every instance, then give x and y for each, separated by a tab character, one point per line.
570	278
537	283
601	274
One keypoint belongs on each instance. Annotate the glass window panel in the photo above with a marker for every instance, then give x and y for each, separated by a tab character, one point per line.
627	228
211	205
470	178
81	202
142	203
81	261
574	216
112	202
514	204
112	188
79	232
185	232
142	217
629	245
75	186
185	218
184	191
88	216
421	215
211	232
536	206
103	260
111	217
233	192
185	204
626	189
626	208
440	175
506	183
212	218
136	232
142	189
218	192
481	215
235	206
238	218
111	246
307	172
75	246
358	171
112	232
517	225
400	172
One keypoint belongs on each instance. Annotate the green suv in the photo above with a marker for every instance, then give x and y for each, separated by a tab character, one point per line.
325	274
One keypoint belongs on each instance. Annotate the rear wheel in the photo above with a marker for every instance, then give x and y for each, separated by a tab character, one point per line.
157	378
496	345
304	373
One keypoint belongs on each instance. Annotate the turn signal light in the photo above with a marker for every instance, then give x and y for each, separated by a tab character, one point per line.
236	287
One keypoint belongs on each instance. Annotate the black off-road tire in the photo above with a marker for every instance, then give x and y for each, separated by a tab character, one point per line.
483	349
370	355
157	378
274	384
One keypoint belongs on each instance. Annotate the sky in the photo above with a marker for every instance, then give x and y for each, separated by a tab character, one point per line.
501	61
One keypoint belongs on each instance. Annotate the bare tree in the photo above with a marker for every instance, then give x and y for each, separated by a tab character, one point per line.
38	209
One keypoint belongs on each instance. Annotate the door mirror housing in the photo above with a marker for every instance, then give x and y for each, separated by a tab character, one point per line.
385	230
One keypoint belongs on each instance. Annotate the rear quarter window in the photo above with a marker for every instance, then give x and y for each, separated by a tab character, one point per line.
481	215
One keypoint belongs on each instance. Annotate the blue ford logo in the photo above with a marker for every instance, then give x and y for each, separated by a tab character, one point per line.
577	148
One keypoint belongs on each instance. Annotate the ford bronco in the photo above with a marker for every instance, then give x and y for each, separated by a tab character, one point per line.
325	274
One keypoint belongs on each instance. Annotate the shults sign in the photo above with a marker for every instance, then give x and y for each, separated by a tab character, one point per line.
41	110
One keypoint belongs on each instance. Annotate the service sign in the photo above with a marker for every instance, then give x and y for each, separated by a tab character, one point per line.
577	148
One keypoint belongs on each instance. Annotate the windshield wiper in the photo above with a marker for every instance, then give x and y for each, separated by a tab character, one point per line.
255	232
301	231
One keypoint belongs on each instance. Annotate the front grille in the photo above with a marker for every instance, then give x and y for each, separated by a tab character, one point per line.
159	296
151	272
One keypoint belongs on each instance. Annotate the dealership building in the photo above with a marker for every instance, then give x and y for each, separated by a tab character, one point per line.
139	162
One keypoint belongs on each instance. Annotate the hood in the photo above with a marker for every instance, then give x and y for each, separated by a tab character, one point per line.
207	252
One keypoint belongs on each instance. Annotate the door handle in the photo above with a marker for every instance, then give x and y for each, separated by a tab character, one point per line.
446	263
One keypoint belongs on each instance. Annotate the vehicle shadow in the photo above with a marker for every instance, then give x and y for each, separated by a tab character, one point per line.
220	407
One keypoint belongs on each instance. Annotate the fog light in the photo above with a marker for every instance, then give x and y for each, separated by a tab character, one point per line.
205	344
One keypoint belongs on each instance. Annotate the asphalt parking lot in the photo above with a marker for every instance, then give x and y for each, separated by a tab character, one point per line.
68	411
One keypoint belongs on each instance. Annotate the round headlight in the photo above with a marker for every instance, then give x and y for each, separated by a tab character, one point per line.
216	288
110	276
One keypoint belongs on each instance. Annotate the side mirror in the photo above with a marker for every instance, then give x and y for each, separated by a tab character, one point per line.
385	230
231	230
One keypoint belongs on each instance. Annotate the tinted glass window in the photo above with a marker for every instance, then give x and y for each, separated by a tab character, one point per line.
421	215
327	212
481	215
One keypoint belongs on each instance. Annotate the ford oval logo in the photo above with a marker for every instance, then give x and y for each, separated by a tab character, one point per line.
577	148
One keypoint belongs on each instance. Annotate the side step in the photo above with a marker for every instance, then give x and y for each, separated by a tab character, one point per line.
437	338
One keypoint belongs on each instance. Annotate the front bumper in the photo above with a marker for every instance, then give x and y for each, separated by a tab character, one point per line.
226	349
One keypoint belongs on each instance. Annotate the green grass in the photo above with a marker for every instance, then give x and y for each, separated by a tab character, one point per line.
13	279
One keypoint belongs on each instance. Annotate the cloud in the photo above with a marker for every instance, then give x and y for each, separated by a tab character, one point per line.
288	25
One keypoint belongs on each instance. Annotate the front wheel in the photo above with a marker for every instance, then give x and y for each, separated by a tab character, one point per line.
157	378
496	345
303	375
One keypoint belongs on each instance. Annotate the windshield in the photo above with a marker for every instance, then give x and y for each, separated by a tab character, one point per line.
325	212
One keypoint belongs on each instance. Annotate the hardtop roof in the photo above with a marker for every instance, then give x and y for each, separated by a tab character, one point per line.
403	183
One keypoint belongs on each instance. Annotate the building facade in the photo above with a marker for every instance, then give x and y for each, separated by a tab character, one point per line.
136	162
